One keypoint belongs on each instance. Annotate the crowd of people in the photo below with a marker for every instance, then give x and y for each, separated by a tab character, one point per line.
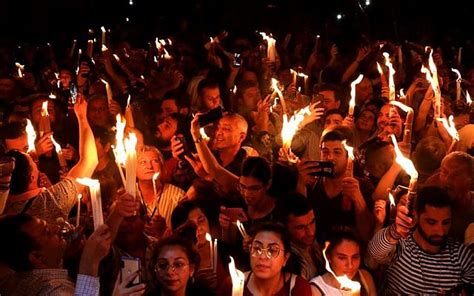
217	180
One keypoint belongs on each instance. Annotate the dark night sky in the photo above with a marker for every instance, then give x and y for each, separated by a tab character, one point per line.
45	20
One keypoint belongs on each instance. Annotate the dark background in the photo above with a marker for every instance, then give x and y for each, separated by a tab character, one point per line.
419	20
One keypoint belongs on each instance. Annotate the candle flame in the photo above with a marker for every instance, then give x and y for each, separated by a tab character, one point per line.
276	88
155	176
102	29
379	68
457	73
345	282
208	237
20	69
167	55
468	98
353	91
104	48
52	96
290	126
237	277
349	149
450	127
404	162
128	100
116	57
402	106
31	136
79	196
130	142
234	90
391	199
57	147
157	43
203	134
119	150
44	109
402	93
391	72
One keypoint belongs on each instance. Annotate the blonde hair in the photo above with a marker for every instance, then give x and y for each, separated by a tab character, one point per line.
147	148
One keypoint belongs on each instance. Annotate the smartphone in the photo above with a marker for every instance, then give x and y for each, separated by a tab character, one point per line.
237	60
129	266
186	150
73	92
210	117
235	214
325	168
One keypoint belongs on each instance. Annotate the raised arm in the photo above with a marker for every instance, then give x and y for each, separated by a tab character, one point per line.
87	151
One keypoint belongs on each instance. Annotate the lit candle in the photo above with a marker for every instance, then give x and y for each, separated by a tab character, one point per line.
59	152
96	202
90	47
451	129
214	260
353	95
348	286
271	42
31	136
155	176
78	216
434	82
391	72
458	85
409	168
459	56
276	90
130	164
119	149
129	114
108	89
44	124
238	279
290	126
204	136
393	207
350	159
73	48
20	68
241	229
408	121
103	35
468	98
211	249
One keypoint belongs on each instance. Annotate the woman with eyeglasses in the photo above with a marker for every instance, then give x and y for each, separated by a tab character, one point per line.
174	262
344	256
269	253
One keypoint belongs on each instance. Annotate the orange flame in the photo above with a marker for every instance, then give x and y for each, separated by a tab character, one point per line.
450	127
290	126
44	109
404	162
31	136
345	282
391	199
237	277
353	93
119	150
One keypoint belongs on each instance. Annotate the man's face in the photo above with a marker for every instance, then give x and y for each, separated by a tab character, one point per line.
333	120
36	111
51	246
65	77
98	113
334	151
211	98
250	97
227	134
168	107
455	178
148	164
166	129
434	225
20	143
302	229
329	100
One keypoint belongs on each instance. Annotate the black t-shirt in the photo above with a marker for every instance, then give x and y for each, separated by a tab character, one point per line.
329	212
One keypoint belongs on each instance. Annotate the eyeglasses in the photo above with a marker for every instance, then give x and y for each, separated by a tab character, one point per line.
253	188
163	267
270	252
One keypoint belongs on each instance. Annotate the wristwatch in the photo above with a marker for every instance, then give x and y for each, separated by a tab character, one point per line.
199	140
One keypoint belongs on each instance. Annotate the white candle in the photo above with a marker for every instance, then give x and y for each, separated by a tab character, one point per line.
130	164
241	229
458	84
155	176
129	114
350	159
238	279
44	124
211	249
96	202
214	260
78	216
108	89
31	135
103	35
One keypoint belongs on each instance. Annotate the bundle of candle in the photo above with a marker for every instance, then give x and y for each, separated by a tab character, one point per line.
408	121
20	69
241	229
290	126
59	152
96	201
391	73
432	77
212	251
277	92
350	159
31	136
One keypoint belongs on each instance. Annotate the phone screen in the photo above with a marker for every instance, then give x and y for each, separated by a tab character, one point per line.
129	266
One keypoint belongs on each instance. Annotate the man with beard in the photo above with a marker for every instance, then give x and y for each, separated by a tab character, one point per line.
423	261
172	125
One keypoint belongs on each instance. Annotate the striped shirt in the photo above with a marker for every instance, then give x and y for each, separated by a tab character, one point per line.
166	202
413	271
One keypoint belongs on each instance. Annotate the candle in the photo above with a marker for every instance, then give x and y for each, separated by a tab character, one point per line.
353	94
468	98
78	216
20	68
393	207
214	261
103	35
408	121
350	159
347	285
211	249
108	89
409	168
400	55
458	84
434	82
119	149
90	47
391	72
204	136
31	136
129	114
271	42
155	176
238	279
73	48
59	152
459	56
44	124
451	129
130	164
96	202
290	126
276	90
241	229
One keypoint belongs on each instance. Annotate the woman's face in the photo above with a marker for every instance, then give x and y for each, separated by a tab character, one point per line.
252	190
173	269
366	121
345	259
148	163
267	255
198	218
